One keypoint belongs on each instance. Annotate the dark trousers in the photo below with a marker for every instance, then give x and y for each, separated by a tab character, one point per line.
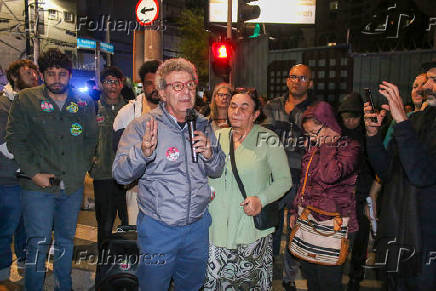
277	235
110	199
325	278
322	278
360	245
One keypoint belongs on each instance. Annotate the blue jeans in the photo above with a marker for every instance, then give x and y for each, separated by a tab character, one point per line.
44	212
20	240
178	252
10	213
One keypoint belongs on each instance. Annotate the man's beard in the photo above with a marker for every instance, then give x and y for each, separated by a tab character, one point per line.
431	101
431	97
153	97
61	90
20	84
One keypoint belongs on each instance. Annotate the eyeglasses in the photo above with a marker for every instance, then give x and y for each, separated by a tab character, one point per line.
316	133
179	86
300	78
111	82
221	95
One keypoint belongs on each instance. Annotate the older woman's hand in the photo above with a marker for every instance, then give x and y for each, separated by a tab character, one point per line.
252	205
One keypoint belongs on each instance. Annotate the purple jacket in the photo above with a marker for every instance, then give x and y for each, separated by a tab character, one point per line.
332	174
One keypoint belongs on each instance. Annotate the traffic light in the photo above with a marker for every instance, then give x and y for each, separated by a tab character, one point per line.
222	54
246	11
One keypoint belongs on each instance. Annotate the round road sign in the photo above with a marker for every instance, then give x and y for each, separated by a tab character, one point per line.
147	11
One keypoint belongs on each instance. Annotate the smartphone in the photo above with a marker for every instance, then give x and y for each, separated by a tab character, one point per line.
368	97
54	181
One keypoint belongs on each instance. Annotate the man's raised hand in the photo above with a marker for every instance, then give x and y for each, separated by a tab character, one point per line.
149	140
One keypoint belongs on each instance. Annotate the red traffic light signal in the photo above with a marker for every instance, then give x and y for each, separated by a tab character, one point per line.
222	53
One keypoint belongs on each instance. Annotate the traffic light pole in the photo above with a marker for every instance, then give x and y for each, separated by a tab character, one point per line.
229	30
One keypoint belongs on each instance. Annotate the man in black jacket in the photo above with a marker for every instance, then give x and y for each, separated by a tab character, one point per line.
406	241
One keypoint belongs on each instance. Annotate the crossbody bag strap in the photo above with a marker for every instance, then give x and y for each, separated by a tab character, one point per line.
307	173
320	211
234	169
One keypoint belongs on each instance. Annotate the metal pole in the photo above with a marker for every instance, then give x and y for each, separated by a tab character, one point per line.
153	48
229	19
97	63
229	31
26	23
108	40
36	35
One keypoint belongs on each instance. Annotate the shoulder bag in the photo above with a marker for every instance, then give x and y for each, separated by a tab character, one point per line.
319	242
269	216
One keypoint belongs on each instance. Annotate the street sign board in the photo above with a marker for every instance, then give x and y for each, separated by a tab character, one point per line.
107	48
271	11
84	43
147	11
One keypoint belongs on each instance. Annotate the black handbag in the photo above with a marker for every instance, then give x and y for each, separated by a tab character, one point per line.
269	215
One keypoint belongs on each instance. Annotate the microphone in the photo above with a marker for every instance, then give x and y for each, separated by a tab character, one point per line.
191	120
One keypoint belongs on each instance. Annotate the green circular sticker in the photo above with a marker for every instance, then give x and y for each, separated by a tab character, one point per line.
76	129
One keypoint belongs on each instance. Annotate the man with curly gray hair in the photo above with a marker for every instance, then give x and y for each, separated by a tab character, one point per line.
173	220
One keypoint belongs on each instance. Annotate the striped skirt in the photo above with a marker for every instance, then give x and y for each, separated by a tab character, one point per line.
249	267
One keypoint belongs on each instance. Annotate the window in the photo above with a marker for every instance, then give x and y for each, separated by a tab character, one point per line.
68	17
334	5
52	14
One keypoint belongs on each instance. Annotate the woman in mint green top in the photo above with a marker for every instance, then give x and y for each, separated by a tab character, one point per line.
240	256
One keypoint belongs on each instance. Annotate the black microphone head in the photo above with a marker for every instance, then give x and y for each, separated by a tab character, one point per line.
190	115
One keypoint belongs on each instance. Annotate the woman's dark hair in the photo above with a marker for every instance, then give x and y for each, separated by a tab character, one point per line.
250	92
111	71
54	58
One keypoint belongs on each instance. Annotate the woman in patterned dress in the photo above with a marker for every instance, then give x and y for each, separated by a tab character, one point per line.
240	256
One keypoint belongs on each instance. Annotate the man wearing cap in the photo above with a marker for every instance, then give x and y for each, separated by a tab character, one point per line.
351	120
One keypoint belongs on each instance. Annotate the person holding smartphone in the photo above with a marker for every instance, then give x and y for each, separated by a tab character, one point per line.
408	172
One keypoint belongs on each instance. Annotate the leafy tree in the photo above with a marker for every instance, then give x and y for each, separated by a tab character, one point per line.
194	44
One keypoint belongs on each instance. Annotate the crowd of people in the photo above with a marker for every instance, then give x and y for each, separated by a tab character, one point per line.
198	214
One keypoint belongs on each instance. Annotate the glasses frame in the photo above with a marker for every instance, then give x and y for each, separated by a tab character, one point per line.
185	84
111	82
294	78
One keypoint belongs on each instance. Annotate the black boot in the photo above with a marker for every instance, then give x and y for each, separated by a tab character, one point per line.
353	285
289	286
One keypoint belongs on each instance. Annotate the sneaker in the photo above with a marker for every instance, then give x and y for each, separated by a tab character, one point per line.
21	265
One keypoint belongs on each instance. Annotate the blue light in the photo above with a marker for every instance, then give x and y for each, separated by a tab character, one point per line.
83	89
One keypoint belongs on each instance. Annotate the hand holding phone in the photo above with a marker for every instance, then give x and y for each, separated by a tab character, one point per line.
368	98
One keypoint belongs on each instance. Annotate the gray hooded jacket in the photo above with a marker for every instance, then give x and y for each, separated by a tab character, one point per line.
172	189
